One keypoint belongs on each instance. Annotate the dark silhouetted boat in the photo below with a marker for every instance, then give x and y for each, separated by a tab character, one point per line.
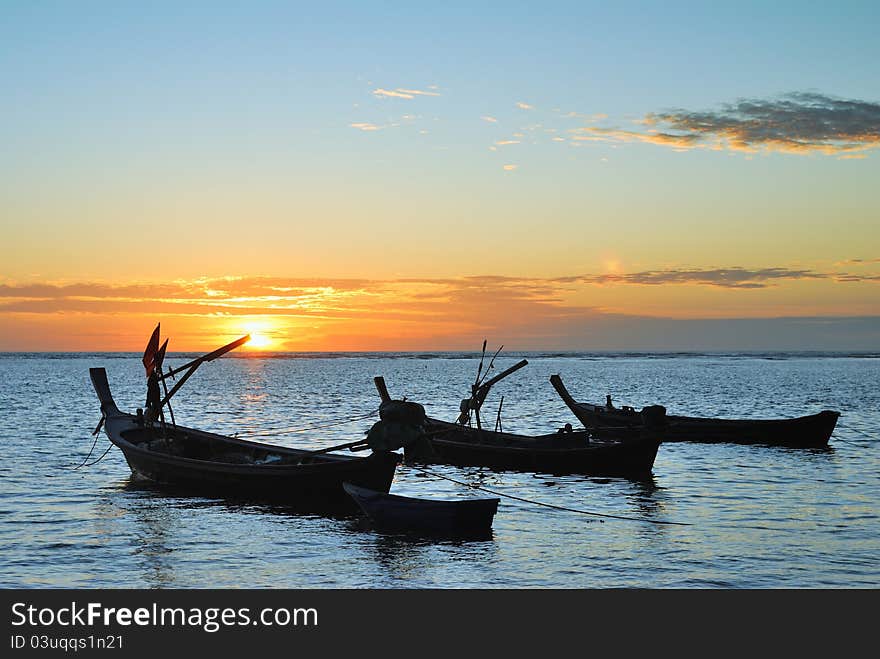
628	452
213	464
394	513
811	431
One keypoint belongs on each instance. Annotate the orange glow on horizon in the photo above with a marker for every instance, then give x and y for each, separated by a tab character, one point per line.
300	315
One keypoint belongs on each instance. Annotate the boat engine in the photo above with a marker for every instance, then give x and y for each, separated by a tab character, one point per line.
654	416
401	423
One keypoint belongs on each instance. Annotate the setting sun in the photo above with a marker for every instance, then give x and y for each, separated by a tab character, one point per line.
263	334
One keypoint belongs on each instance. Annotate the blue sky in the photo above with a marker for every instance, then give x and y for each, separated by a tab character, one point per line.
396	141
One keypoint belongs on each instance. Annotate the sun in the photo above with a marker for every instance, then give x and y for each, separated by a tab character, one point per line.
259	341
262	335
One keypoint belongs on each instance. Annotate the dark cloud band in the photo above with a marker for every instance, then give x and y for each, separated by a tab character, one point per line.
798	122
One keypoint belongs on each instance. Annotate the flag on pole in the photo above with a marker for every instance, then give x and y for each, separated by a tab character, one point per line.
151	353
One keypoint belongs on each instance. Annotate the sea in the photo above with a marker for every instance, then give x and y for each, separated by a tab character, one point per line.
712	516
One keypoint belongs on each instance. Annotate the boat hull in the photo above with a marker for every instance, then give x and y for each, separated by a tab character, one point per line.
570	453
811	431
294	485
394	513
210	464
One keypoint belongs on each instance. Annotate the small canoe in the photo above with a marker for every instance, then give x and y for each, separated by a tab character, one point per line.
207	463
811	431
391	512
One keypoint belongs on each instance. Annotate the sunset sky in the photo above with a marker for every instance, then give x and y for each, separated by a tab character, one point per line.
405	176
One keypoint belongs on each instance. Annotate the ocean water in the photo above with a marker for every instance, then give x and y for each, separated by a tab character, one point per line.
757	516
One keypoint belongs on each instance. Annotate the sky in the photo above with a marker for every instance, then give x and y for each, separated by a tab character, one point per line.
405	176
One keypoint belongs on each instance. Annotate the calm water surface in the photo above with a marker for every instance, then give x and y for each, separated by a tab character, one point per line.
759	517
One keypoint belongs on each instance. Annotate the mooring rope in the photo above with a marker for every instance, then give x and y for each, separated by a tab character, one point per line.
103	455
855	430
735	527
91	450
846	441
550	505
286	431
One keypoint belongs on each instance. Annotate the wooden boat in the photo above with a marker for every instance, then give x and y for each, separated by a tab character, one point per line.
629	452
214	464
391	512
811	431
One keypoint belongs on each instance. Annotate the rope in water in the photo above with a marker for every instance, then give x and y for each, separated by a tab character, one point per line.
91	450
550	505
855	430
103	455
285	431
736	527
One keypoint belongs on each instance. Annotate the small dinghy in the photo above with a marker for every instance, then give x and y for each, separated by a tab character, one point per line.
391	512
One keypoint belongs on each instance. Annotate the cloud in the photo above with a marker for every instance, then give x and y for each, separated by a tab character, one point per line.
505	142
365	126
798	122
595	134
404	300
510	168
402	93
417	92
524	106
334	297
491	120
374	314
735	277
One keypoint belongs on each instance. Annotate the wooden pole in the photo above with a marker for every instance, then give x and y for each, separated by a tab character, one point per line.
165	387
491	363
211	356
349	445
379	381
480	369
498	418
195	363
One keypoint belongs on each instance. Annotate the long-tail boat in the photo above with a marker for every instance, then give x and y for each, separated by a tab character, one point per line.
208	463
812	431
628	452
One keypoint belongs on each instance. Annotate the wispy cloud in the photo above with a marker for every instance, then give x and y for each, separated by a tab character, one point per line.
360	313
524	106
735	277
595	134
491	120
510	168
296	295
403	93
365	126
417	92
506	142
